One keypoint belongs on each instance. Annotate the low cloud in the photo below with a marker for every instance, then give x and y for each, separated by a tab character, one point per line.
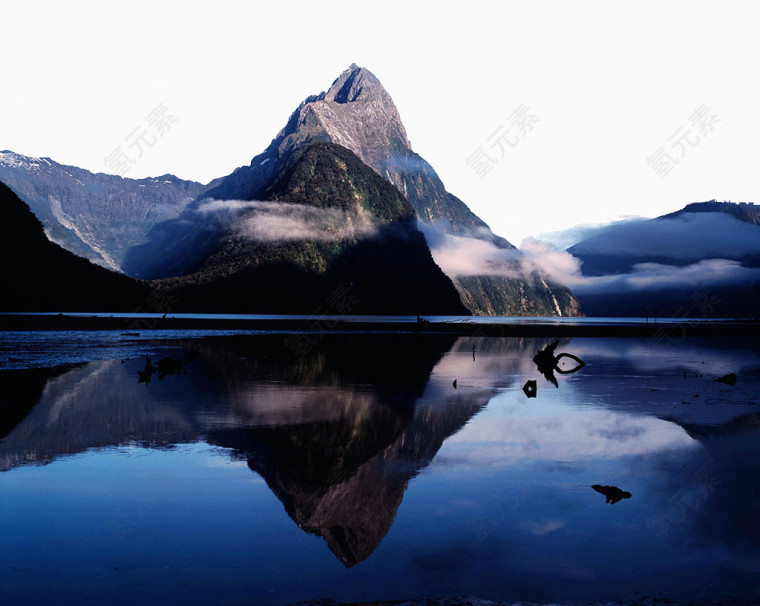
559	265
564	268
460	255
284	222
689	236
470	256
409	162
655	276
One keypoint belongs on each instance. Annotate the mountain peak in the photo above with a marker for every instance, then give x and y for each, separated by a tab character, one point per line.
356	112
743	211
11	159
354	84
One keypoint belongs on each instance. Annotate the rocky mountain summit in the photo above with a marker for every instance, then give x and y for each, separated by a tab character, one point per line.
357	113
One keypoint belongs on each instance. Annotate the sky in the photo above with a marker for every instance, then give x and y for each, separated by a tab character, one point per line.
540	116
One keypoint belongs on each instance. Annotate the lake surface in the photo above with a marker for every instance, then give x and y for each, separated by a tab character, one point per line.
144	318
262	469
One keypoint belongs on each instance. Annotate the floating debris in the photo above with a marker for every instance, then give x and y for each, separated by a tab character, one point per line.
612	493
729	379
530	389
169	366
165	366
547	362
145	375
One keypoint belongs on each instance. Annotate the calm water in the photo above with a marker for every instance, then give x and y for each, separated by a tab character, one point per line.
541	320
355	470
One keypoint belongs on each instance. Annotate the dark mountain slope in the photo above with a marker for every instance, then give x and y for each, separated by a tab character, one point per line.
699	231
332	226
38	275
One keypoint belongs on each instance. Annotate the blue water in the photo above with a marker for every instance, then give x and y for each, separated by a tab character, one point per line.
540	320
44	348
357	471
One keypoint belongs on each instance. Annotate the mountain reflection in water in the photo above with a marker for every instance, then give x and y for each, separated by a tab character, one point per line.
496	486
336	434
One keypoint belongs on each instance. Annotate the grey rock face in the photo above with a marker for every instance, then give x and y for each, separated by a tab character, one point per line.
359	114
94	215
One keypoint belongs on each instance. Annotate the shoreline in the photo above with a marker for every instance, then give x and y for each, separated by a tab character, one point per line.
645	600
316	324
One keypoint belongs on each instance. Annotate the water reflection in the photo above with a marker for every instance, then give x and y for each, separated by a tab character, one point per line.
336	434
418	488
547	362
722	498
19	392
343	479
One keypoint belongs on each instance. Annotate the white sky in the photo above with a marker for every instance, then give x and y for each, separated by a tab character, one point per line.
610	82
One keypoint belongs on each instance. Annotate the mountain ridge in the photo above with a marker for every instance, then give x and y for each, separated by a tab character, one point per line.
744	211
357	113
97	216
702	260
368	239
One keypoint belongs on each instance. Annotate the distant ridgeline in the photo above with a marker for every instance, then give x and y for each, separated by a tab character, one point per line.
701	261
332	203
744	211
96	216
